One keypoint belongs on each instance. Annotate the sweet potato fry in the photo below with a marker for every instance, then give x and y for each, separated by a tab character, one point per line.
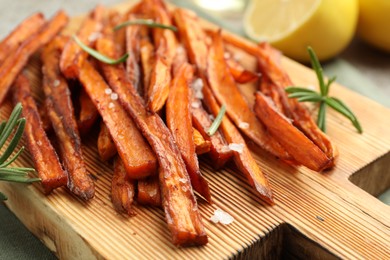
23	31
294	141
201	145
122	189
165	43
73	56
46	123
139	162
105	144
133	35
149	192
269	65
194	39
147	61
43	154
239	73
14	63
226	92
60	112
88	113
202	122
243	159
178	117
267	57
178	200
192	36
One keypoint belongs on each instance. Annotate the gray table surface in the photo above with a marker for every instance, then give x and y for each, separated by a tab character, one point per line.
359	67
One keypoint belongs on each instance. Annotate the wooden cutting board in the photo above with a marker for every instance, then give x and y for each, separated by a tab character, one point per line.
329	215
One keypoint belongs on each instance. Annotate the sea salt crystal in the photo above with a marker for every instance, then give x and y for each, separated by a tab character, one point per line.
180	49
182	180
114	96
56	83
236	147
39	143
222	217
94	36
111	105
197	86
225	149
195	104
108	91
211	117
227	55
243	125
237	57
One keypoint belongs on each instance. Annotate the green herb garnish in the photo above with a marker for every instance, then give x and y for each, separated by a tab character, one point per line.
13	174
147	22
97	55
217	121
307	95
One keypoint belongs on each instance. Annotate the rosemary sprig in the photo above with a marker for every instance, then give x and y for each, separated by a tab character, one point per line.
13	174
217	121
97	55
307	95
147	22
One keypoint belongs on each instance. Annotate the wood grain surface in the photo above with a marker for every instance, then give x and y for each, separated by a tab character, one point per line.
328	215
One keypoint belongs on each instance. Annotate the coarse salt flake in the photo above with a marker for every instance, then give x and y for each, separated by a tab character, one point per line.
114	96
56	83
39	143
108	91
197	86
195	104
236	147
227	55
221	217
225	148
243	125
94	36
111	105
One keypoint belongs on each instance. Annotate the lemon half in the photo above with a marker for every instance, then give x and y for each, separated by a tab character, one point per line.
292	25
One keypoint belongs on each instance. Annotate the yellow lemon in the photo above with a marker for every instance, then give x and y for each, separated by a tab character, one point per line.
374	23
292	25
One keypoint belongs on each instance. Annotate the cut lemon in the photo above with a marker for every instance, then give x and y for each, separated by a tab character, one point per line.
374	23
292	25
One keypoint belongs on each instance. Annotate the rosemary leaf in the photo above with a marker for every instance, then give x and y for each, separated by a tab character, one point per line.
322	117
318	69
17	178
15	140
97	55
147	22
217	121
303	94
299	89
7	163
339	106
9	126
330	81
312	98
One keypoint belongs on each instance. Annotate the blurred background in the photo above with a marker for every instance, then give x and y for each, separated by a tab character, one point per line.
358	66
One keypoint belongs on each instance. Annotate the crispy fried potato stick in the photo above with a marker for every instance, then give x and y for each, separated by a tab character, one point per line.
201	145
292	139
60	111
43	154
46	123
194	39
149	192
135	152
23	31
73	56
226	92
243	160
105	144
14	63
88	113
239	73
122	189
178	200
178	117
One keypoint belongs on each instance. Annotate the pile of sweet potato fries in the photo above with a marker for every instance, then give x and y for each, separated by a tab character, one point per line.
156	109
